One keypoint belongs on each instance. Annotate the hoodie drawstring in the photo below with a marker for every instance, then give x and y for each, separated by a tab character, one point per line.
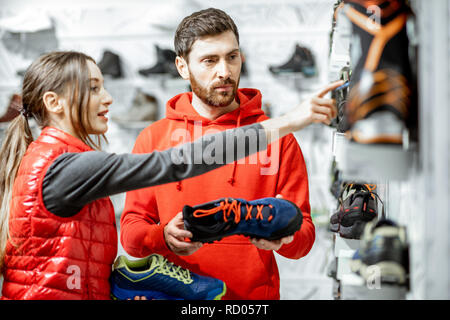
179	185
232	179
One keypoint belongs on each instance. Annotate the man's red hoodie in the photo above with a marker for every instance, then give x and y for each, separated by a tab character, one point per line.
249	272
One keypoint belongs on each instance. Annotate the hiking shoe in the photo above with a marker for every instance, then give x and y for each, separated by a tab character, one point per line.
111	64
156	278
302	60
267	218
357	206
382	101
165	64
384	253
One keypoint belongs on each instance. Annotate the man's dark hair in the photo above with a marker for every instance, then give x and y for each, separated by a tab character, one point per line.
208	22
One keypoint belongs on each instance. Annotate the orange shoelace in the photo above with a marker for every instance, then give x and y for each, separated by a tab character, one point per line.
234	207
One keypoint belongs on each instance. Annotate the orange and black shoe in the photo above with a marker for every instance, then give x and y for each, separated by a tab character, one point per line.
266	218
382	102
357	206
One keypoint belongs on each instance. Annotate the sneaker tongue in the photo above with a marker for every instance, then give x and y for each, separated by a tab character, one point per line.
154	261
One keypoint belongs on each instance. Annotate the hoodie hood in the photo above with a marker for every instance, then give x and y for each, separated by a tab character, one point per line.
180	108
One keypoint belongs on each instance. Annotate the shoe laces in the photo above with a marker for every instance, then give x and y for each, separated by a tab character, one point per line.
365	194
168	268
233	207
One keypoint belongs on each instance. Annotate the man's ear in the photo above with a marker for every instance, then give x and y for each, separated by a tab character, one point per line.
182	67
52	102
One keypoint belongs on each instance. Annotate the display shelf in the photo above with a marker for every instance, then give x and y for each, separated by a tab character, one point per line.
344	250
342	244
372	162
353	287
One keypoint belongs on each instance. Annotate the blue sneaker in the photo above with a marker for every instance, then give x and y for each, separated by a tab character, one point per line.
154	277
267	218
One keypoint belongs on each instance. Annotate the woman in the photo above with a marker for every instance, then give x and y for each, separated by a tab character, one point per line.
57	223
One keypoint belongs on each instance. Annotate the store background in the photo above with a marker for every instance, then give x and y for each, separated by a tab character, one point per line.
269	31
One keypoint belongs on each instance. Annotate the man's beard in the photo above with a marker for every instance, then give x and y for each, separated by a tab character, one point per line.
212	97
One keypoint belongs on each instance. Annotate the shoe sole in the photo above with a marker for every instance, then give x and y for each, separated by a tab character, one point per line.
293	226
118	293
351	232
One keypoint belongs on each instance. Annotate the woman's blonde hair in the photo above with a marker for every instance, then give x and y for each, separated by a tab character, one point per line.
67	74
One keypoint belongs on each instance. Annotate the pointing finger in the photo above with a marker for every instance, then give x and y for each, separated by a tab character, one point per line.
330	87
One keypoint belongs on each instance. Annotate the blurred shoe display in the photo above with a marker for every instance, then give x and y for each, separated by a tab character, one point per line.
111	65
301	60
384	253
144	107
165	64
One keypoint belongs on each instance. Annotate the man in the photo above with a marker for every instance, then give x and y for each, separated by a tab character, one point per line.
208	55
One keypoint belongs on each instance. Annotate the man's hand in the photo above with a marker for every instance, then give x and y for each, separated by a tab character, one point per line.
175	236
274	244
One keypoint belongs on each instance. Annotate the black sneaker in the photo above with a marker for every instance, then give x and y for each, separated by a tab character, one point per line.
384	253
165	64
111	65
266	218
301	61
357	206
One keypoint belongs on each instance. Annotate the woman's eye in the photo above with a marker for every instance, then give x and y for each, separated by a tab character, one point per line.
95	89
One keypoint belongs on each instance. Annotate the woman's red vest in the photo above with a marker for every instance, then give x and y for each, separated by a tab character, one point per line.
51	257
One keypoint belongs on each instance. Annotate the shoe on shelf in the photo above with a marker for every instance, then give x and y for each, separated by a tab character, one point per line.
266	218
383	252
144	107
155	278
302	61
111	65
165	64
357	206
382	102
13	110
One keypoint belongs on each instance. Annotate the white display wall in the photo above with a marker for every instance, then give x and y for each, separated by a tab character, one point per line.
269	31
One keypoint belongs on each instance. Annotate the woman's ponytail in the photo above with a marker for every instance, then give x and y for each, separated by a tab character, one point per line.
17	138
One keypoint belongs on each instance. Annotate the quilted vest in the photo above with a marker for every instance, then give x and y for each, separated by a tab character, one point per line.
51	257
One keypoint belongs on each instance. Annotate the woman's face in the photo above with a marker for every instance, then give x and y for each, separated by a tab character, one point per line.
99	101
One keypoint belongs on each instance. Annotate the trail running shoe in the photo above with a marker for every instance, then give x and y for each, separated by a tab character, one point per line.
156	278
357	206
384	252
266	218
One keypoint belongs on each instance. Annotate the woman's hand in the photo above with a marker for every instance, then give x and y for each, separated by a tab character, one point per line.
316	109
